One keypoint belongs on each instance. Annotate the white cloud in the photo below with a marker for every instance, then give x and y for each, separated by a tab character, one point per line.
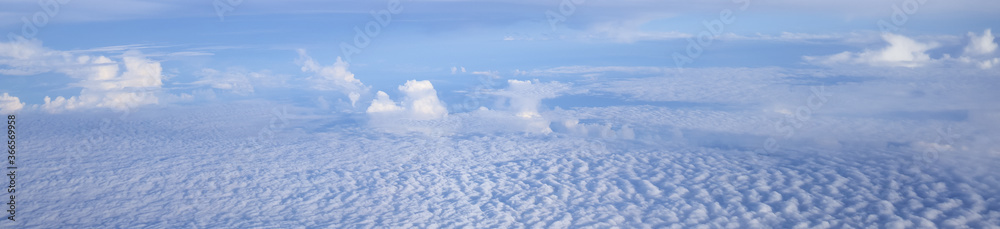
10	104
334	77
981	45
520	108
981	63
901	52
238	81
490	74
420	102
585	70
987	64
526	96
103	87
455	70
926	147
421	110
383	104
628	31
189	53
980	50
604	131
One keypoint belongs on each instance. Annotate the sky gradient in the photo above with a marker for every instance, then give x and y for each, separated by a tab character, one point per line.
504	113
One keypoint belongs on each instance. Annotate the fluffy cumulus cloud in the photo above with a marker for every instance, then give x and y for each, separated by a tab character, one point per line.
10	104
103	83
524	97
334	77
383	104
981	45
420	102
104	86
517	110
520	102
903	51
980	50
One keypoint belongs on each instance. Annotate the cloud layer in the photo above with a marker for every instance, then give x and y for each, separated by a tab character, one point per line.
356	177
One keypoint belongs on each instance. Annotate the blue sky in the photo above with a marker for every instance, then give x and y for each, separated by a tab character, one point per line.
427	38
649	106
